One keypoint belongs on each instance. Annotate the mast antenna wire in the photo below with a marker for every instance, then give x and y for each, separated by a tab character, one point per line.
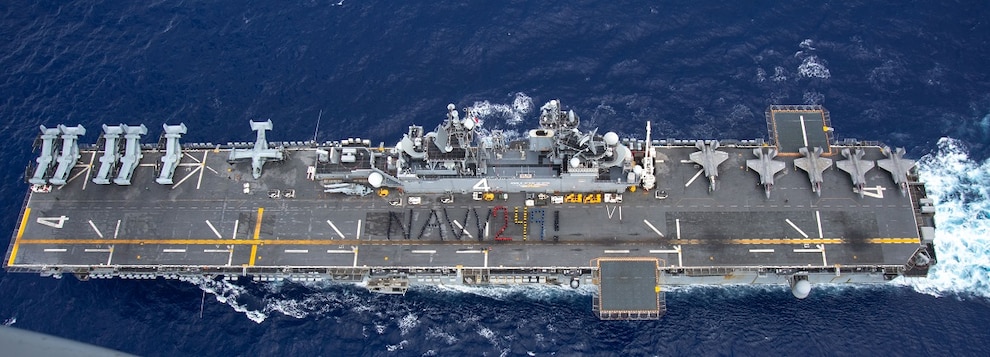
317	132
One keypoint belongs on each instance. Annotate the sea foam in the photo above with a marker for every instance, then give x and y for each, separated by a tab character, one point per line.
513	114
812	67
960	187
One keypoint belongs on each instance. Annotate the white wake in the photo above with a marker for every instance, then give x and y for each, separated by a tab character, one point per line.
513	114
960	187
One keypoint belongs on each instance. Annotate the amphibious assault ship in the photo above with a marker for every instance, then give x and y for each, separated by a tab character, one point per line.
464	206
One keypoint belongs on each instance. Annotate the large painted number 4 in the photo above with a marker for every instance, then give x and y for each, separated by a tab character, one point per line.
875	192
54	222
482	185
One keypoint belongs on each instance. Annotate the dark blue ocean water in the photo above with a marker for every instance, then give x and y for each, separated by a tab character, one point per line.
908	73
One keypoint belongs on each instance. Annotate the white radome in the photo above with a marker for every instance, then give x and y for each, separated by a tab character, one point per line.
376	179
611	138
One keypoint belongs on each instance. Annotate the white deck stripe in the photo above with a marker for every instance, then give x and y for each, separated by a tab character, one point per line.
653	228
216	251
174	250
115	232
617	251
816	250
459	226
804	132
335	229
818	217
824	259
86	169
89	169
202	165
55	250
796	227
678	223
761	250
359	230
214	229
186	154
96	250
424	251
297	251
95	229
664	251
469	251
339	251
694	178
176	185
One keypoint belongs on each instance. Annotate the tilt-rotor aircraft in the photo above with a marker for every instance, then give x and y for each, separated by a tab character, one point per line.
261	152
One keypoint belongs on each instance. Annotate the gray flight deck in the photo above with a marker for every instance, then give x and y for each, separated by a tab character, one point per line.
218	219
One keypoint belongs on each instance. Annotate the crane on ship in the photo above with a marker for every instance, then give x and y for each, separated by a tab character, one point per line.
649	180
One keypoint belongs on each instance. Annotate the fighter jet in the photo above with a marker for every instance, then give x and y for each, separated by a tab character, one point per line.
897	166
766	166
814	165
709	159
856	167
261	153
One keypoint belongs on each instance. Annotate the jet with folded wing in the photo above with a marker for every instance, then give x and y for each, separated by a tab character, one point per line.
856	167
766	166
814	164
897	166
709	159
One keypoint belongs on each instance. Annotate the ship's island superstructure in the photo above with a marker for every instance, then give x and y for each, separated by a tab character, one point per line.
464	206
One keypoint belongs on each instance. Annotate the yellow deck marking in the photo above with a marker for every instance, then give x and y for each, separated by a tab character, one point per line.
257	232
20	233
893	240
257	241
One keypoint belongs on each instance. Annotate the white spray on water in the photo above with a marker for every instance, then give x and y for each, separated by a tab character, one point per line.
960	187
